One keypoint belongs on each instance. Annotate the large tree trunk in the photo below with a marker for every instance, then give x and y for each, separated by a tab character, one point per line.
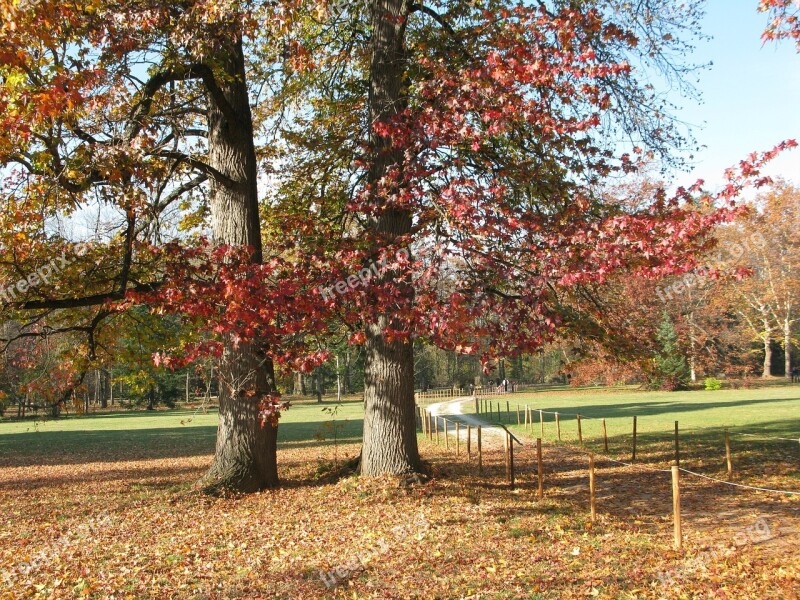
245	459
390	440
390	437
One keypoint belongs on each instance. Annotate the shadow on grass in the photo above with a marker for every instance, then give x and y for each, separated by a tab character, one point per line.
645	409
81	447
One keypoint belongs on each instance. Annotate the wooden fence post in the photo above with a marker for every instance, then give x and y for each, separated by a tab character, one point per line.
446	440
605	437
436	423
499	419
469	442
677	447
728	454
508	410
592	502
541	424
505	453
633	456
480	452
676	506
580	433
511	461
539	467
519	420
558	427
458	439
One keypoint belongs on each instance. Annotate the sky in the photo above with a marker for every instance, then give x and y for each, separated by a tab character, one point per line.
751	94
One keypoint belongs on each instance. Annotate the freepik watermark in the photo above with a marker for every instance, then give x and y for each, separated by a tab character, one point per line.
42	275
718	262
336	8
57	550
416	528
760	531
363	277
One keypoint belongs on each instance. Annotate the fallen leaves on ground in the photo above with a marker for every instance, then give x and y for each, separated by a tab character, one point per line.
135	529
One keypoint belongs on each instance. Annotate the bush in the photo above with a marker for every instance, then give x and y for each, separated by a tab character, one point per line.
671	384
712	384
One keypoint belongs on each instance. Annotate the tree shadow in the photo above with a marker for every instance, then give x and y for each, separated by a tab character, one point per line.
80	447
644	409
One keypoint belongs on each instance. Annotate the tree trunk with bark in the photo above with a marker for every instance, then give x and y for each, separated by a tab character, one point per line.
245	459
390	440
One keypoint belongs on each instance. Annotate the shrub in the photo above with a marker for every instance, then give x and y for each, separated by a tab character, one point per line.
712	383
671	384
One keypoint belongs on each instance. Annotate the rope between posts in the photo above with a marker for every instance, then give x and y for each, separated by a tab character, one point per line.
604	457
741	485
586	418
641	467
687	471
765	436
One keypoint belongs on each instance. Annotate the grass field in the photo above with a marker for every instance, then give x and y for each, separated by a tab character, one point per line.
124	435
102	507
772	411
756	419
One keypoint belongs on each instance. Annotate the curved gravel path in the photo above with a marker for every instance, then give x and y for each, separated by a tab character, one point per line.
453	410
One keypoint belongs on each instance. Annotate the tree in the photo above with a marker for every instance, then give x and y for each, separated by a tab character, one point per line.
482	136
779	261
671	370
766	242
138	111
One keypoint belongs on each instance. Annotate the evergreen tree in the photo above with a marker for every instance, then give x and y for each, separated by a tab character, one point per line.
671	370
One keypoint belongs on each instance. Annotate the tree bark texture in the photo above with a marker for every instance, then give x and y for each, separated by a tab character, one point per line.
390	440
245	459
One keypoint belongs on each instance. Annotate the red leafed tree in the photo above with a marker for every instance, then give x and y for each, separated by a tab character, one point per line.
484	135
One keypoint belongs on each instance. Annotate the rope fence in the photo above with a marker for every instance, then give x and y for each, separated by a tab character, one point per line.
429	425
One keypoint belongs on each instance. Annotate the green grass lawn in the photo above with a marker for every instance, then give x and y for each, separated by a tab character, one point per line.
702	416
129	435
764	414
773	411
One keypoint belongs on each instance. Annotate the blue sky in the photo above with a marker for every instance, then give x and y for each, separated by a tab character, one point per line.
751	94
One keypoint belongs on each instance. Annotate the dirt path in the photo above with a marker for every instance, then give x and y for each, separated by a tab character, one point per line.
453	410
